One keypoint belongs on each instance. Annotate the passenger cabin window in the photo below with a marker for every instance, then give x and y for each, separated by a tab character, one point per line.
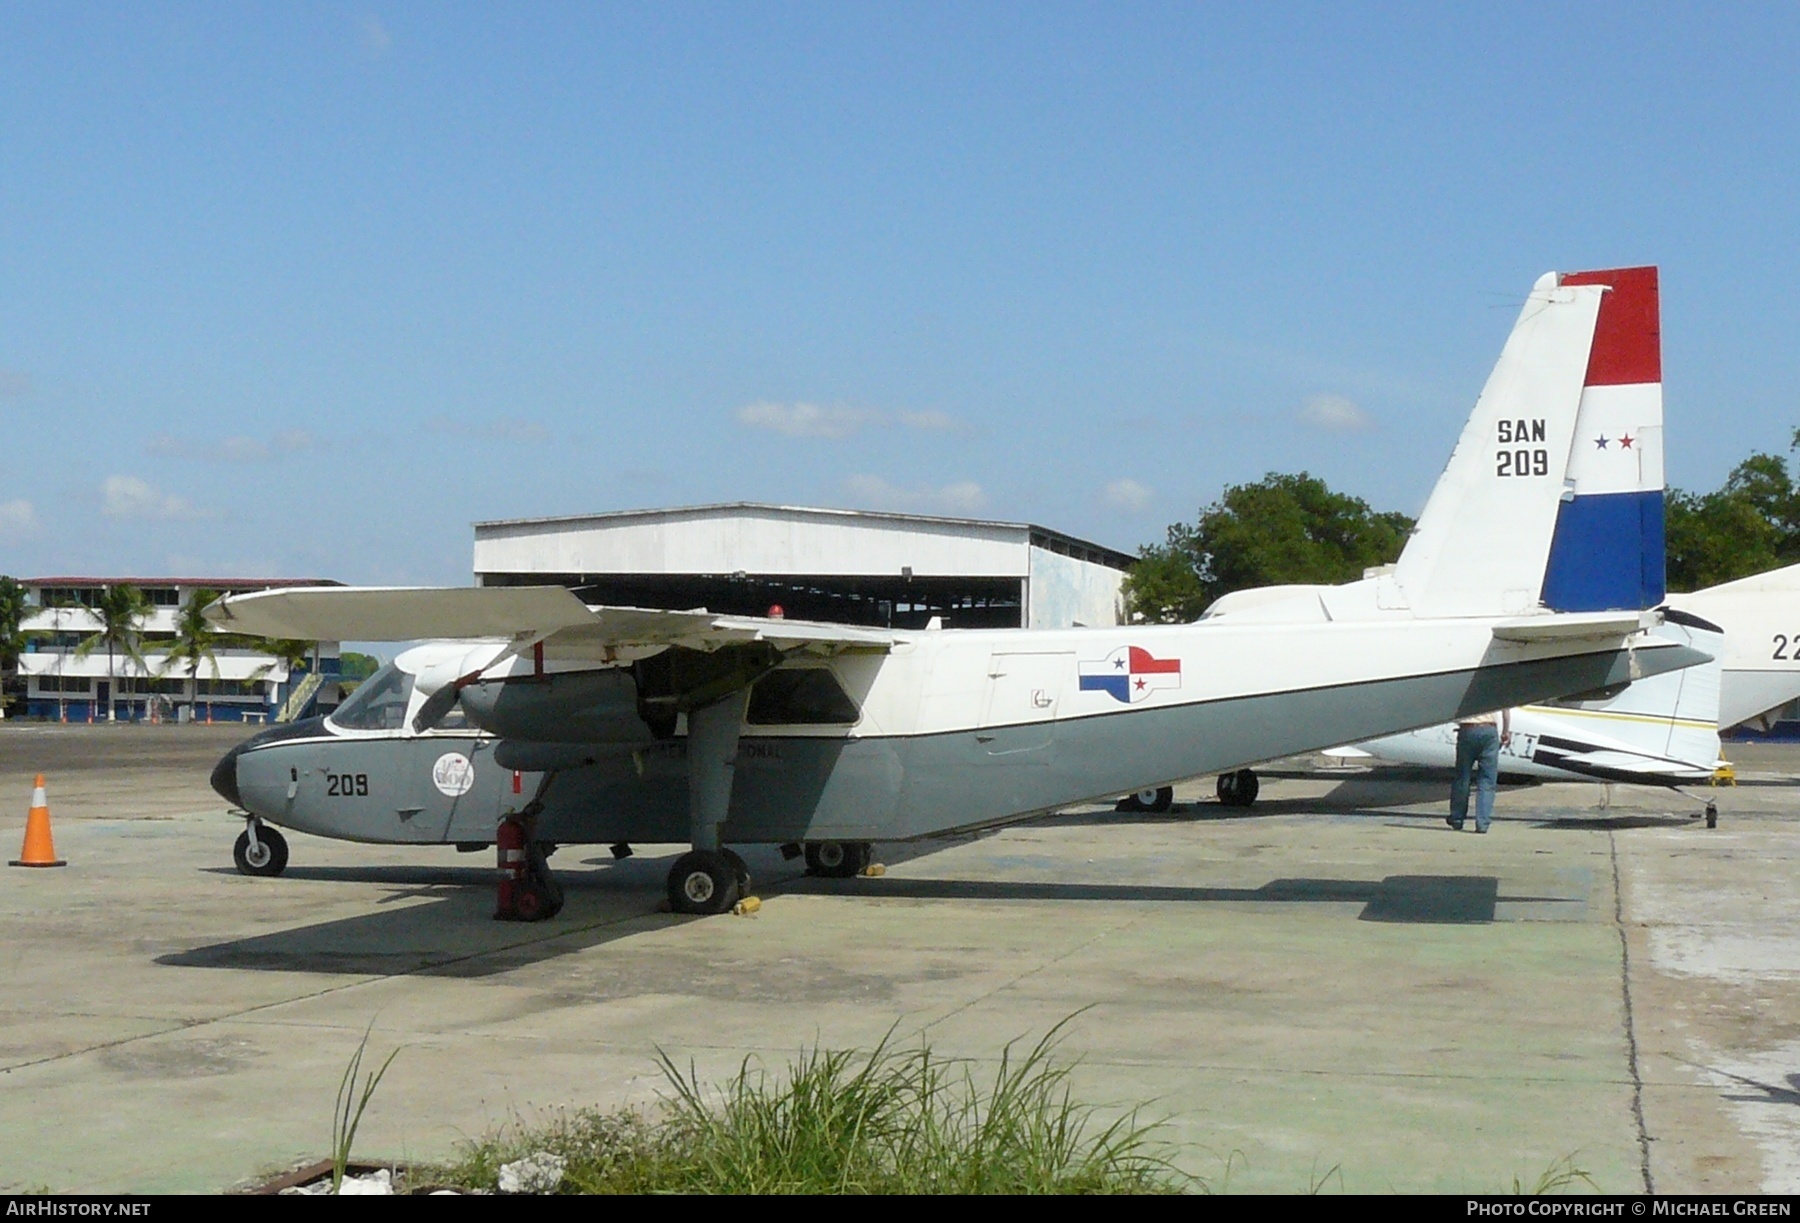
808	697
379	702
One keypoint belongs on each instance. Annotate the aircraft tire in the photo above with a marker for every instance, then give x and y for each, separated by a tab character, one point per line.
1238	788
270	861
702	882
743	870
531	904
837	859
1158	799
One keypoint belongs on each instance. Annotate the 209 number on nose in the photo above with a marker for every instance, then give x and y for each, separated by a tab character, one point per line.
347	785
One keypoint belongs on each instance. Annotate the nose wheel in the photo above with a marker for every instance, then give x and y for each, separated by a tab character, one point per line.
260	850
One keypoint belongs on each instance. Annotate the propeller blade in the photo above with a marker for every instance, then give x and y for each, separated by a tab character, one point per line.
437	707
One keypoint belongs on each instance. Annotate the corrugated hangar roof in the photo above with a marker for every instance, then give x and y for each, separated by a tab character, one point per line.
755	537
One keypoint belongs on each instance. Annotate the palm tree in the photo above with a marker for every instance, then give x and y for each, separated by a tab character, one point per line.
195	641
12	637
121	611
290	653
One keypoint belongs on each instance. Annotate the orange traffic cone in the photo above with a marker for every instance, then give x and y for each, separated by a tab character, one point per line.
38	850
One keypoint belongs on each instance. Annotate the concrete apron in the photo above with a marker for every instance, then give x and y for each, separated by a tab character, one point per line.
1321	991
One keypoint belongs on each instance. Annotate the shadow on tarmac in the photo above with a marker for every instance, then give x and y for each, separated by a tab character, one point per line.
1430	899
1617	823
453	935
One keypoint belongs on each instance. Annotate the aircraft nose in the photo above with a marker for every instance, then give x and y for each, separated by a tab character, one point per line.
225	773
224	776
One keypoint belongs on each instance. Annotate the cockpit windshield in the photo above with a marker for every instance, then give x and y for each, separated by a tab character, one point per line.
379	702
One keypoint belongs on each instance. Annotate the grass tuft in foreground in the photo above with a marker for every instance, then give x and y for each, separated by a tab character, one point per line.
880	1121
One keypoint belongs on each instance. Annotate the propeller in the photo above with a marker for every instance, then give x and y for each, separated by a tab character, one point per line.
438	705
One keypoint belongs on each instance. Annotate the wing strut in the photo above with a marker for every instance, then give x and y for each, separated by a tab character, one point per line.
712	760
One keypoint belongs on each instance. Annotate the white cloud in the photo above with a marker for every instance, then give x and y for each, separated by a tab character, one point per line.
17	519
964	497
1335	414
804	419
130	497
237	449
835	421
930	419
1126	494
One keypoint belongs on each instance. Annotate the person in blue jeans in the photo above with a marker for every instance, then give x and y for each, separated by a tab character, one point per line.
1478	741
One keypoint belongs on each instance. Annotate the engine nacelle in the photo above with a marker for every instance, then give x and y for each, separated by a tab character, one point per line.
562	707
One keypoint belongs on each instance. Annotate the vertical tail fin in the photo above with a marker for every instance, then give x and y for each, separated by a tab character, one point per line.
1481	544
1607	552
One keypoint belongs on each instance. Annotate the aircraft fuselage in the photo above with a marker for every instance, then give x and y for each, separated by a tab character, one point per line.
948	730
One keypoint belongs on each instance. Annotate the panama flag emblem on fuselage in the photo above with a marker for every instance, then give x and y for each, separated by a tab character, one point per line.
1129	674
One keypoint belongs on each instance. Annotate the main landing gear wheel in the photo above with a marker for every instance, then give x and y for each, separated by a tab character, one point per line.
837	859
268	856
1239	788
1156	798
741	867
703	881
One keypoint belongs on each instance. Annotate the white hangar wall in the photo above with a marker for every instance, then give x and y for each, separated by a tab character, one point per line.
1064	591
752	539
853	566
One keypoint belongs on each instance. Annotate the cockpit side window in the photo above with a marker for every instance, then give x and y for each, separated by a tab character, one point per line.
379	702
808	696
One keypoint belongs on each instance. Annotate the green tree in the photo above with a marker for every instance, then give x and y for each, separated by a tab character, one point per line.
196	642
121	610
12	636
354	668
290	653
1748	526
1281	529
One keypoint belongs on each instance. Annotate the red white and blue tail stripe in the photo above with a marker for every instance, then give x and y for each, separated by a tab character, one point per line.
1607	551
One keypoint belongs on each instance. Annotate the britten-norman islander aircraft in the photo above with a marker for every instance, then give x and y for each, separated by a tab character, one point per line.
549	721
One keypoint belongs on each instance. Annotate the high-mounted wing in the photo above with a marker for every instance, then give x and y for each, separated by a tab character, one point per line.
553	615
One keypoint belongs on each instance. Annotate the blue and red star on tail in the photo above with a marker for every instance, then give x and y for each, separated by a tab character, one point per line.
1130	674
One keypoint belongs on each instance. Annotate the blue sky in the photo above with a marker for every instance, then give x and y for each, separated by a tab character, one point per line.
306	288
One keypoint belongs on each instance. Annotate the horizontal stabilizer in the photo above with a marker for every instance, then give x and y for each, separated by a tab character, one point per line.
1623	766
1599	626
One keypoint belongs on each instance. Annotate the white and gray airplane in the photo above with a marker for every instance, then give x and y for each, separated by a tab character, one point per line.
551	721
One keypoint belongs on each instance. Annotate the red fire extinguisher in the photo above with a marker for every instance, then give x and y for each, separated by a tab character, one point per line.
516	893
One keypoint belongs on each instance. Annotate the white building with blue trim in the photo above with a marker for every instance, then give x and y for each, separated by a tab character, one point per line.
240	682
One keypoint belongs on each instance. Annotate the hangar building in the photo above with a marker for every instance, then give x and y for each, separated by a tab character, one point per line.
842	566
